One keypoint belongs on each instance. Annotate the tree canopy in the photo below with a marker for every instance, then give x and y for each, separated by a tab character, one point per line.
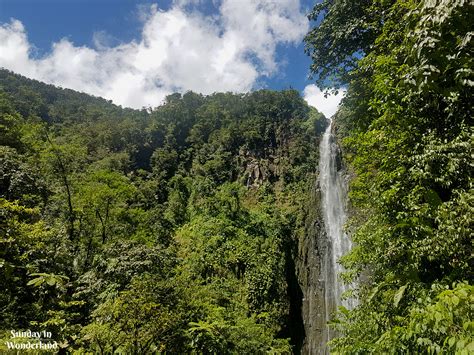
165	230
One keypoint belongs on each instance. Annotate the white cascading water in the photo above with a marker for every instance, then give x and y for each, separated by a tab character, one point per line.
334	197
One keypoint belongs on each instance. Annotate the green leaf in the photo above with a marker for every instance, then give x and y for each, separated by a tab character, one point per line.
399	295
451	342
36	282
455	300
51	281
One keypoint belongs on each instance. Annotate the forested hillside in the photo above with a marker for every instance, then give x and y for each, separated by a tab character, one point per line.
169	229
195	226
407	134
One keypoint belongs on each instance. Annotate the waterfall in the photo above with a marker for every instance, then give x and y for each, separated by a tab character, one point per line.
333	206
323	243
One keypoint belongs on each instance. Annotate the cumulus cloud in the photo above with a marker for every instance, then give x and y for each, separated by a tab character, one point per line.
326	105
179	49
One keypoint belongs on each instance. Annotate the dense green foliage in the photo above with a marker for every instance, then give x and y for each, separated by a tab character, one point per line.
406	128
169	230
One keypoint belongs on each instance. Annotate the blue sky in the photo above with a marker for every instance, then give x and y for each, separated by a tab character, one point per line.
136	52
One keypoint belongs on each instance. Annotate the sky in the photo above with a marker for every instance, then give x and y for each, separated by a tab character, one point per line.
137	52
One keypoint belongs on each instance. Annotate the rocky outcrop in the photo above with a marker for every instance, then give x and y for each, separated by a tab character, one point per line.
258	169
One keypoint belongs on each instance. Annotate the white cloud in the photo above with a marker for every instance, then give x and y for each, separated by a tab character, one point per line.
179	50
14	47
327	105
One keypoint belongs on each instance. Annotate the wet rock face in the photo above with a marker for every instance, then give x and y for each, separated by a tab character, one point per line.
322	244
311	250
339	162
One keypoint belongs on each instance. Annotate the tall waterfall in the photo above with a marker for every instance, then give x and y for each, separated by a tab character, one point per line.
333	206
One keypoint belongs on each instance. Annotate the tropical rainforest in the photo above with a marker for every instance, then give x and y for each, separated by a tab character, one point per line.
165	230
175	229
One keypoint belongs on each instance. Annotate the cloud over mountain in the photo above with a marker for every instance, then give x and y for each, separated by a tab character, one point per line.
179	49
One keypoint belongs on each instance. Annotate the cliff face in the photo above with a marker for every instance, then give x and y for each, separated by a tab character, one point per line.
323	243
312	248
